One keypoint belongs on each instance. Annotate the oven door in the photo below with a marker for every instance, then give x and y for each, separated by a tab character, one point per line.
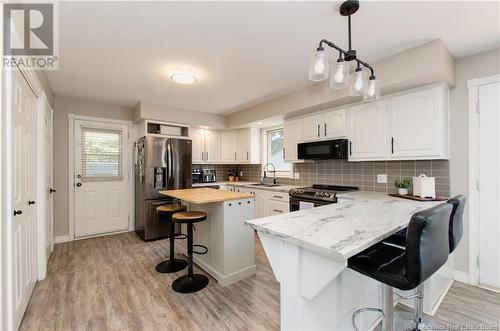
303	203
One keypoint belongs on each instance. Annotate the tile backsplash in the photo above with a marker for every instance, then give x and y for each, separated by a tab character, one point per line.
360	174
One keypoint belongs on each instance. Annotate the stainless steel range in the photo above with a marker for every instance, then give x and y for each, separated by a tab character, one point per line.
316	195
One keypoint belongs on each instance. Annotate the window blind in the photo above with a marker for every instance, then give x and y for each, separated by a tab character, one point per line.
102	154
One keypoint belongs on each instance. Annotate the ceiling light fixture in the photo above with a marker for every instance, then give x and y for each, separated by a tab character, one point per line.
319	66
183	76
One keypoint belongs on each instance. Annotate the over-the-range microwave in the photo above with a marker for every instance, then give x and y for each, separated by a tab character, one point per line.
323	150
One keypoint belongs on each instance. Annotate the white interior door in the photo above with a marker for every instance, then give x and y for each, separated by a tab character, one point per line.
49	180
23	236
489	194
101	178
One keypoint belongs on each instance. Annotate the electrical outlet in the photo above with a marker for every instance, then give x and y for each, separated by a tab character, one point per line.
241	174
296	175
382	178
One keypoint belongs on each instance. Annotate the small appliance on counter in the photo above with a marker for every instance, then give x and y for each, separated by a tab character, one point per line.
424	187
203	176
196	176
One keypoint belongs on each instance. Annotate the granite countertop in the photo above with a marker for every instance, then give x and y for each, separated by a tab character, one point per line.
281	188
205	195
341	230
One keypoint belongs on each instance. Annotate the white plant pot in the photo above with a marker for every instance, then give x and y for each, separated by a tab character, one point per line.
403	191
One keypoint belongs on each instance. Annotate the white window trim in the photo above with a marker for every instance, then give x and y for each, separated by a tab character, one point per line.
279	174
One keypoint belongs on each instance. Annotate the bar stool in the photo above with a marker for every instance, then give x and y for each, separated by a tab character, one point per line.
191	282
165	213
426	251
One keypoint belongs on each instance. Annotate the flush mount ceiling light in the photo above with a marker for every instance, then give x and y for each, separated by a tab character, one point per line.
319	67
183	76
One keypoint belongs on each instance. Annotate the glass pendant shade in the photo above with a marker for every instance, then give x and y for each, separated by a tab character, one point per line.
339	78
357	82
319	66
372	90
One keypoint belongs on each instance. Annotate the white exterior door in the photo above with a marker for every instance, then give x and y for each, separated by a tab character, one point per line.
335	124
23	103
489	193
368	131
101	179
229	146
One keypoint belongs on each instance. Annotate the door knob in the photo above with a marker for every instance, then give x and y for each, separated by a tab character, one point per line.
17	212
51	190
31	202
78	184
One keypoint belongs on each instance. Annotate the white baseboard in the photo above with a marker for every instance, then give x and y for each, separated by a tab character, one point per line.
461	276
61	239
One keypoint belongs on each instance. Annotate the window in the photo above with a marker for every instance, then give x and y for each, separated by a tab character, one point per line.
102	154
275	150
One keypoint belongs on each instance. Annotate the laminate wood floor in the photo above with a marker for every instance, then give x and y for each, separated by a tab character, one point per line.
110	283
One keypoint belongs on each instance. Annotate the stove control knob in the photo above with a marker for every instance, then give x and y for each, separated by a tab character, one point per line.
327	195
301	192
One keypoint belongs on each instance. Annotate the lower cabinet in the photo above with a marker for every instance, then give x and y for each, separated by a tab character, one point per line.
267	202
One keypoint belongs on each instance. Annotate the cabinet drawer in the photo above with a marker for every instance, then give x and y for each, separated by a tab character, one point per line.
277	207
278	196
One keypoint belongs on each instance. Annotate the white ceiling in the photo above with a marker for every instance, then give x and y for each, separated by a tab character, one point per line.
243	52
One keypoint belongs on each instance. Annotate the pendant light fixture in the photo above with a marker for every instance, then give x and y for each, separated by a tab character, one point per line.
319	69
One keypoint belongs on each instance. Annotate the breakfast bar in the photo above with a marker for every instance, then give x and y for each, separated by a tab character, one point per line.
308	252
230	244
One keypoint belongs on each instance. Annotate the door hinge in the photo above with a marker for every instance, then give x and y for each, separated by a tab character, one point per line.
478	108
477	261
477	184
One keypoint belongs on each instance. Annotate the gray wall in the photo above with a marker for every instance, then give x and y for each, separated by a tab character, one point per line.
476	66
63	107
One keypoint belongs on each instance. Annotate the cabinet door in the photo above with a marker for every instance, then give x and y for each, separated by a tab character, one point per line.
415	119
229	146
261	203
291	138
368	131
212	146
311	127
198	139
335	124
277	207
243	146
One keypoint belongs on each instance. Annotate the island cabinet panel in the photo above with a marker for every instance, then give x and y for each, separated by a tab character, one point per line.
368	131
418	124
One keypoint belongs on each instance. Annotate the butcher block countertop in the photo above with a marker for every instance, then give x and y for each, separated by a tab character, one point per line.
205	195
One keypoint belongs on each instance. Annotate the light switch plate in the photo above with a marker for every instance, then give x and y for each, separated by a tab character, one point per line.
296	175
382	178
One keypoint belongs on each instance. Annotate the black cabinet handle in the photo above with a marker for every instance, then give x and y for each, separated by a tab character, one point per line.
31	202
51	190
318	130
392	145
350	147
278	211
325	129
17	212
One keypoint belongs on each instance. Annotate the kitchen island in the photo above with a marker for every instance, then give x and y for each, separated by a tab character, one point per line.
308	252
230	244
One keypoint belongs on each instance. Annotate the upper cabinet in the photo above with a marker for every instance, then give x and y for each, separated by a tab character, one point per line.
212	146
419	125
325	125
292	135
198	149
229	146
368	131
249	146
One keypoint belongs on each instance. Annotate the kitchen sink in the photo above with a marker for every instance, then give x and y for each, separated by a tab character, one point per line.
266	185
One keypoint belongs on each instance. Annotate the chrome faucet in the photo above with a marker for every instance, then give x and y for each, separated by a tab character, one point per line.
273	171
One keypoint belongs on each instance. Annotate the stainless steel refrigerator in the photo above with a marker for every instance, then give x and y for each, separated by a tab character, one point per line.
161	164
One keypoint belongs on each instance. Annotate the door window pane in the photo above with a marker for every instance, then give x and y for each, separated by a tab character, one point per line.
275	150
102	154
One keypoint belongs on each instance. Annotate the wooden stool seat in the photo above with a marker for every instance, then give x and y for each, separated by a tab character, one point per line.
174	208
189	217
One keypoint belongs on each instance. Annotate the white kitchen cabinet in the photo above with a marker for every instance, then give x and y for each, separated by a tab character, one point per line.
261	203
335	124
276	207
368	132
419	124
311	127
212	146
329	124
198	143
229	146
249	146
292	136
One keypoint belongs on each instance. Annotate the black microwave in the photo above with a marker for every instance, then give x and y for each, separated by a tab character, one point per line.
323	150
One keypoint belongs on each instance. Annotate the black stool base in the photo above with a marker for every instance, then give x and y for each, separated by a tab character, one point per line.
190	284
171	266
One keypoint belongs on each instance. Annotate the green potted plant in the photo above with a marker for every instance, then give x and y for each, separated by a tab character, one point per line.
402	185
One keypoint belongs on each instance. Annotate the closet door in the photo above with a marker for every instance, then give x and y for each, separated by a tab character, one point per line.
23	103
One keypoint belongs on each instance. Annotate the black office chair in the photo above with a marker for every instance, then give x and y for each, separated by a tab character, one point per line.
426	251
